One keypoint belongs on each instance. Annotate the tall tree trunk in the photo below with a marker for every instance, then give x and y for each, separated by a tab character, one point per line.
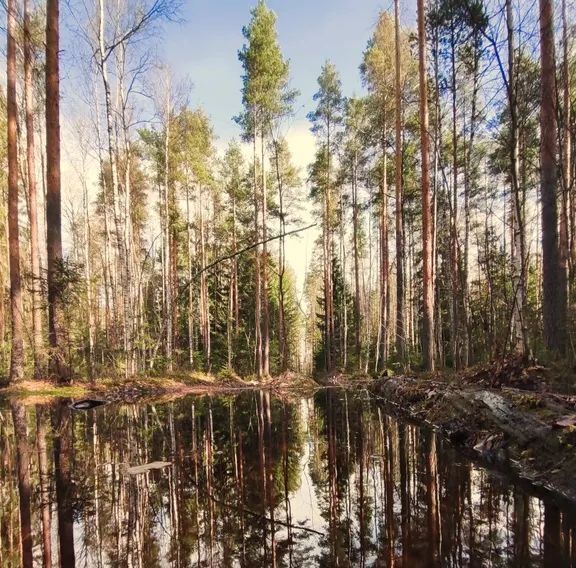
384	261
454	254
265	299
88	283
113	159
53	200
428	350
168	311
190	287
282	338
519	331
130	292
568	200
17	354
400	284
257	273
554	278
37	339
355	229
204	299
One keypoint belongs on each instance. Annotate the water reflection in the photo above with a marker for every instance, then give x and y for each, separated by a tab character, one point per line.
258	481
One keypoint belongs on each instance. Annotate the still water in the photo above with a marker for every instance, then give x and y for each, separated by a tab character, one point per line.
253	480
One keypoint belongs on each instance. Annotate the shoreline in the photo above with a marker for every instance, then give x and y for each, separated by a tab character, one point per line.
513	430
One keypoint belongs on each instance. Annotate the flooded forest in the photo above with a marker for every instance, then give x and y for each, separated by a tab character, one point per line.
288	283
255	480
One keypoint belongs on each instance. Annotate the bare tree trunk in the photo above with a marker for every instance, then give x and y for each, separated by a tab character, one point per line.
400	284
384	261
130	291
257	273
519	332
282	339
355	228
554	285
53	199
265	299
428	350
17	354
37	339
568	199
190	288
88	283
112	156
204	300
167	242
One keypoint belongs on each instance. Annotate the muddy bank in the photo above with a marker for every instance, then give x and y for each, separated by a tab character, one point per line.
528	433
140	389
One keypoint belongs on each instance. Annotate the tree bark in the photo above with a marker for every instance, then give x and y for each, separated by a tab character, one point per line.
428	350
384	260
17	353
53	199
400	291
519	261
554	278
355	229
37	340
265	299
568	200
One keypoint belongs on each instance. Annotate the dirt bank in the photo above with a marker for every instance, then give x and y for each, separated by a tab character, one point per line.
143	388
527	428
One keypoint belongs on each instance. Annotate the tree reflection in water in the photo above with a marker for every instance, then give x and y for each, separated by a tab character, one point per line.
258	481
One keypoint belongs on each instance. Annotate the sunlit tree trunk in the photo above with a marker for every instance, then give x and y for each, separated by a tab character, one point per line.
568	198
554	278
257	265
454	250
400	280
519	260
88	282
265	299
384	260
204	300
428	350
103	55
168	310
355	237
17	353
37	338
282	336
53	198
190	317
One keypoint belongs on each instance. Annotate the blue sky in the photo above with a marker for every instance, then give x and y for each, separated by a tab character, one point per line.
204	48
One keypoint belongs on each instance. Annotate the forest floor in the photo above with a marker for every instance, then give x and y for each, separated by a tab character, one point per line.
142	388
519	418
